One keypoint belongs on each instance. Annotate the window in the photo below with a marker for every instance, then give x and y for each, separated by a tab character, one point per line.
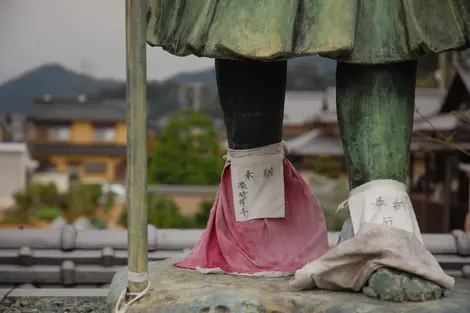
60	133
94	167
74	167
104	134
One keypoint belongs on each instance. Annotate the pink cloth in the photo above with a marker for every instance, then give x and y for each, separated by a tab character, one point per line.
262	245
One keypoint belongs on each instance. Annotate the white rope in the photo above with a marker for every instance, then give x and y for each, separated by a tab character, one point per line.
135	278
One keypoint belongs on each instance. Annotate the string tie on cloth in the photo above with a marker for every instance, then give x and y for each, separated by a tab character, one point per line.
134	278
280	147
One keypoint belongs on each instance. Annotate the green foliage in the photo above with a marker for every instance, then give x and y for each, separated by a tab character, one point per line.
46	194
330	193
48	213
82	200
334	221
33	197
97	223
12	218
327	166
109	201
187	153
44	202
163	213
426	79
23	206
201	218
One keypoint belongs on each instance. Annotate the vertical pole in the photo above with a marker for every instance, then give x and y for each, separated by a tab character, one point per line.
136	178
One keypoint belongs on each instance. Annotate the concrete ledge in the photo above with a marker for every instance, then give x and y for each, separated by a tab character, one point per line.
177	290
44	293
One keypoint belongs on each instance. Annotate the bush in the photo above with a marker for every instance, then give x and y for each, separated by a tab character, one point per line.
82	200
163	213
23	206
98	223
202	216
48	213
13	218
46	195
109	201
45	202
34	197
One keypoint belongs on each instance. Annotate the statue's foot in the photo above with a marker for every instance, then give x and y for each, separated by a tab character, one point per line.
394	285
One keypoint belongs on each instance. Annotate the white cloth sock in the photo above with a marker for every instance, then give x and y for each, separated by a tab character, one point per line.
381	232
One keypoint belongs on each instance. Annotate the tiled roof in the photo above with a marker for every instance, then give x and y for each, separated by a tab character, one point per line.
75	149
300	107
441	122
428	102
315	142
99	111
67	256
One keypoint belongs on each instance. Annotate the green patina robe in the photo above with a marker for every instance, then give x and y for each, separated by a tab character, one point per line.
357	31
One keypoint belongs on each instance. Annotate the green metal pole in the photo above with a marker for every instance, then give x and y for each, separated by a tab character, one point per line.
136	178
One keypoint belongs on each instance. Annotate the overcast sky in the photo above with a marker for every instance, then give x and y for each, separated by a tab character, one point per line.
84	35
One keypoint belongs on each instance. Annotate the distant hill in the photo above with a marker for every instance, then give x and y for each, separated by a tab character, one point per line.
206	77
53	79
323	67
58	81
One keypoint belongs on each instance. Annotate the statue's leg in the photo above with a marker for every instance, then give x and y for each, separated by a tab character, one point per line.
375	105
252	95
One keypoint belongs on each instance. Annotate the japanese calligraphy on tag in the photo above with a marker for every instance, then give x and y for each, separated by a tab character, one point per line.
258	187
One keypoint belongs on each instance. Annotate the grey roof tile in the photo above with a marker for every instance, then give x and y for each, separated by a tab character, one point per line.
95	263
300	107
315	142
441	122
97	111
74	149
428	102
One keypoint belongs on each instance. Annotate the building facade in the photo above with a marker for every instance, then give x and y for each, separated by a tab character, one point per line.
77	136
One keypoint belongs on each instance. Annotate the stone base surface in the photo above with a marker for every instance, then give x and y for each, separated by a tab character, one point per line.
176	290
53	305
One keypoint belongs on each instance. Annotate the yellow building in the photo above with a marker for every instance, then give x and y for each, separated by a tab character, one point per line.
81	136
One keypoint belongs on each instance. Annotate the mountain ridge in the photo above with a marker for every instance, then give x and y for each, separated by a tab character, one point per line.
58	81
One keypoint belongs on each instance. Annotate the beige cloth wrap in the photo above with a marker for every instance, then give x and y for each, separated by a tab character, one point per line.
350	264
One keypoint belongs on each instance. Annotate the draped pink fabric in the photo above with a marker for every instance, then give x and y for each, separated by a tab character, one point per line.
262	245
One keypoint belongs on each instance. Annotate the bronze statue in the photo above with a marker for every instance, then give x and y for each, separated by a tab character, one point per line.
376	44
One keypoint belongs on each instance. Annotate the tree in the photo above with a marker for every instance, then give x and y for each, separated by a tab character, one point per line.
187	152
163	213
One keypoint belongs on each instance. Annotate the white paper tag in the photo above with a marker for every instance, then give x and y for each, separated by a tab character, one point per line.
258	187
383	205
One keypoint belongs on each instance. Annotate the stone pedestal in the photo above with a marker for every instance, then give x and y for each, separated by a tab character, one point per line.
176	290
